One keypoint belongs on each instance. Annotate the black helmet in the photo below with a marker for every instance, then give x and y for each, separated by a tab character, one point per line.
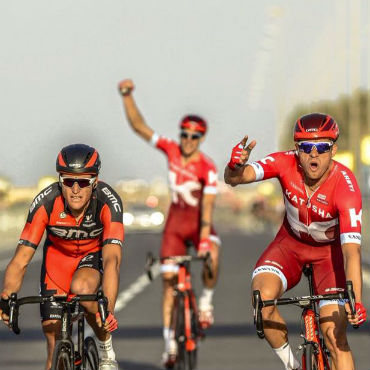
78	158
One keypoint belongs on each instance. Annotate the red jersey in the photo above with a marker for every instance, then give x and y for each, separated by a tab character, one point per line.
187	182
332	213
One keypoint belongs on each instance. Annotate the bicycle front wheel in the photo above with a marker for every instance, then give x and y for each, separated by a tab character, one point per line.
91	356
178	322
311	358
62	357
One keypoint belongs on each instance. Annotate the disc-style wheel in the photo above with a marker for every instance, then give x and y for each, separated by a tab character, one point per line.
91	356
61	357
311	357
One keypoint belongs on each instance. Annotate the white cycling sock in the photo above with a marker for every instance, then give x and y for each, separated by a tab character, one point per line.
206	297
105	349
168	336
286	355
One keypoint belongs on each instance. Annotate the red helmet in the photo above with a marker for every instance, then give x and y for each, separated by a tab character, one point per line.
316	126
194	122
78	158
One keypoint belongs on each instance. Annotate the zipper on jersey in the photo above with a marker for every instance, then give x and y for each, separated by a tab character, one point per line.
308	203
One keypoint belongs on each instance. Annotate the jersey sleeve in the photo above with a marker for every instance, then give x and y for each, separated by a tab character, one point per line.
164	144
349	205
210	179
270	166
112	218
37	219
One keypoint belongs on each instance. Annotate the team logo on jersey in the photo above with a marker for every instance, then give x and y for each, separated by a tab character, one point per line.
348	181
212	177
89	222
87	258
113	199
322	199
62	215
40	196
75	233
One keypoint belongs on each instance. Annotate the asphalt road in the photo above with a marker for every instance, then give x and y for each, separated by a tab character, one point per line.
230	345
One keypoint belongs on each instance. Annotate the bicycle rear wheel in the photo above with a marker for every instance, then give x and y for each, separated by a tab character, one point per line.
310	358
91	356
192	355
62	357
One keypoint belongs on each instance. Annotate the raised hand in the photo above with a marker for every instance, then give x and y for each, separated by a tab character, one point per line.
125	87
240	153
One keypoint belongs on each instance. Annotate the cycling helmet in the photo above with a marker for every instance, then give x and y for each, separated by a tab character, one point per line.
194	122
78	158
316	126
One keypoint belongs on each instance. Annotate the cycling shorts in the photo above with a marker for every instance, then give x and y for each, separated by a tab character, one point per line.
286	256
53	310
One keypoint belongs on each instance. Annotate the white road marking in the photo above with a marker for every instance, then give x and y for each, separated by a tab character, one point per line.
131	292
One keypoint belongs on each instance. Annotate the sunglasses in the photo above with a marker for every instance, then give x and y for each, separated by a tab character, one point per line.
321	146
81	182
186	135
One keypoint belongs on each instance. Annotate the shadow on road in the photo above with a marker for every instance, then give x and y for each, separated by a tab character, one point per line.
129	365
149	332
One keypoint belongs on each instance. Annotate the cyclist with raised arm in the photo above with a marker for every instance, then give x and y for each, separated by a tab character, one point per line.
83	247
193	182
322	227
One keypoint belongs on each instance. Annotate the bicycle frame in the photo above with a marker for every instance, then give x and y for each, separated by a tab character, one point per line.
184	287
310	320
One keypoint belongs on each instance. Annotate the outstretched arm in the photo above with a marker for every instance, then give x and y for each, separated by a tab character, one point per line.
133	114
236	171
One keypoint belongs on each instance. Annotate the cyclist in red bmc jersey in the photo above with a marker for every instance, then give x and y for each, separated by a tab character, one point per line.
322	226
82	251
193	182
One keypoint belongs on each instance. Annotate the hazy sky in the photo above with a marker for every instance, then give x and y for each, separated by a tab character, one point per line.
242	64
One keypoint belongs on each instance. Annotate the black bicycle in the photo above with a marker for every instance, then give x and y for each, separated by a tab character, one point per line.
184	316
315	355
66	356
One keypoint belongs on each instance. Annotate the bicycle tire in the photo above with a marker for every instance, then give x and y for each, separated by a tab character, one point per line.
180	331
310	358
91	355
192	355
62	357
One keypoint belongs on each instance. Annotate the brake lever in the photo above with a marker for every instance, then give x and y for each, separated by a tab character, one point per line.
148	265
351	299
13	314
102	306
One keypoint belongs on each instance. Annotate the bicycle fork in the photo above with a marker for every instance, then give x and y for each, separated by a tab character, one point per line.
184	287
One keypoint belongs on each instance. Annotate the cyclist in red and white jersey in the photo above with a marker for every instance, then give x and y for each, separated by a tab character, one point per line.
193	183
82	251
322	226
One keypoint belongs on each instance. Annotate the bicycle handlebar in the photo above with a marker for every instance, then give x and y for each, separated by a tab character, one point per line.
179	260
303	301
11	305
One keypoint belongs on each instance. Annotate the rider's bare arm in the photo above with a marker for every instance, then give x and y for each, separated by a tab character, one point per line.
14	273
112	256
208	202
133	114
16	269
242	175
352	267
